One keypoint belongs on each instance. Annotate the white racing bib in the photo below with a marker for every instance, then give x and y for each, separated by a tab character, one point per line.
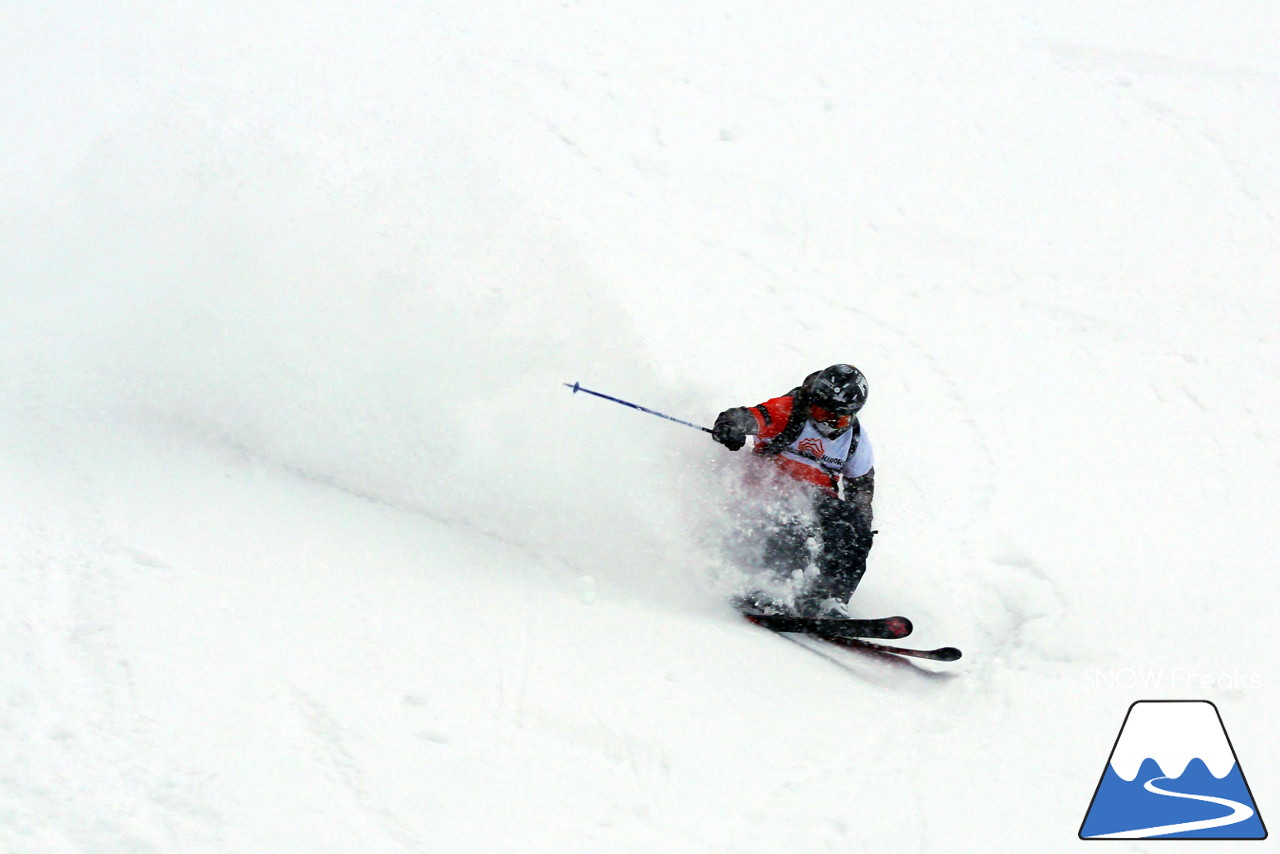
833	456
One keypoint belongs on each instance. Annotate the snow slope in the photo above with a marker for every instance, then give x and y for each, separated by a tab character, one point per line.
305	548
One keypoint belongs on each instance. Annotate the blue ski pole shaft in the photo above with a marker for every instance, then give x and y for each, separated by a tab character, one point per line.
577	388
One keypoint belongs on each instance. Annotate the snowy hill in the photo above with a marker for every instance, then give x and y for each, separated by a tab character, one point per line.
306	549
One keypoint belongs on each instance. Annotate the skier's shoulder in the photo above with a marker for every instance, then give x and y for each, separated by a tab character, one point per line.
773	415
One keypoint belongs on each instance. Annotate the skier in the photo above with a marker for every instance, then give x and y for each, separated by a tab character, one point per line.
812	443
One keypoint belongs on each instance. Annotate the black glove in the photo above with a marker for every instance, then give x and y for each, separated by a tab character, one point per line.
730	429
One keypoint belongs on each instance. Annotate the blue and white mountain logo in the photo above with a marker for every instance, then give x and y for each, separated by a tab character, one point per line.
1173	774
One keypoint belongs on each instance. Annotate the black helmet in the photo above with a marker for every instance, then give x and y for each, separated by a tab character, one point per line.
839	389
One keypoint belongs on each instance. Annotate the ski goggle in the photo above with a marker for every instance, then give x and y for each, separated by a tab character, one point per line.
828	416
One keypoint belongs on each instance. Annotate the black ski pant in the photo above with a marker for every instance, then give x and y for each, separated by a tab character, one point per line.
844	540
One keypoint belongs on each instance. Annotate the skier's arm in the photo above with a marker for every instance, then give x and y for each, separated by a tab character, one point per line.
765	420
859	491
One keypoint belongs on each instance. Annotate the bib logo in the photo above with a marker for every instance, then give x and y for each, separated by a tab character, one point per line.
813	446
1173	774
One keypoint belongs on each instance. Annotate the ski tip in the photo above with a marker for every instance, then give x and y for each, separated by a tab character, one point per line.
899	627
948	653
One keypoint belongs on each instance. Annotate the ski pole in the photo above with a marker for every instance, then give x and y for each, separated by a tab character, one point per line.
577	388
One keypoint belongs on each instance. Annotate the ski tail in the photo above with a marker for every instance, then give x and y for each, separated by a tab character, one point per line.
942	653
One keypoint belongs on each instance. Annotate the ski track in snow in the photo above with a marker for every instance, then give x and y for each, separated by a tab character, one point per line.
76	692
331	753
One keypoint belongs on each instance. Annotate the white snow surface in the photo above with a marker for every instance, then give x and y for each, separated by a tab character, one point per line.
304	548
1172	734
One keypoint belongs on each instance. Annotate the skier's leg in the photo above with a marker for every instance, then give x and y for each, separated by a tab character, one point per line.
786	549
846	541
780	535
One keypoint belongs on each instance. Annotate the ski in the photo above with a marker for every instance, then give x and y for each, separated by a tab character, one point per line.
853	633
887	628
942	653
